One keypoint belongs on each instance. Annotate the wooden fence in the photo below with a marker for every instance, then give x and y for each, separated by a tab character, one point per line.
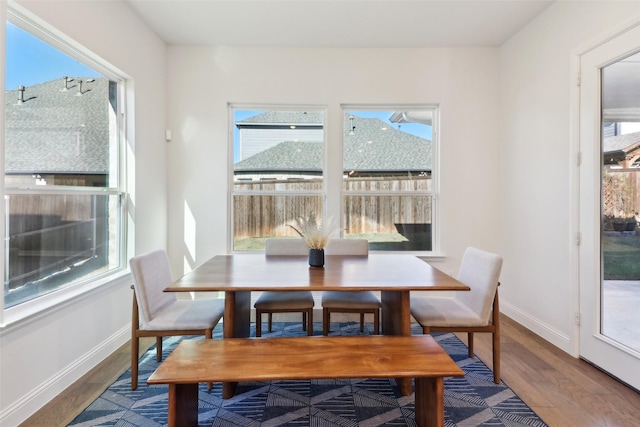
258	215
51	233
620	192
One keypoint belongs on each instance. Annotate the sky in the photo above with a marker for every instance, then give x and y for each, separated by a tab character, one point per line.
31	61
423	131
420	130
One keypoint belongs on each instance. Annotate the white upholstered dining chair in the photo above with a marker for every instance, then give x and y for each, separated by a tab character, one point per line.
159	314
361	302
471	311
285	301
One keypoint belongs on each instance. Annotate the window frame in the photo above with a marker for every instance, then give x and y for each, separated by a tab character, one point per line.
333	192
231	108
77	288
435	168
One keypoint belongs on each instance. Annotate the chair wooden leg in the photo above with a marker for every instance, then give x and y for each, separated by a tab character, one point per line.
258	323
158	349
496	354
135	341
304	321
326	321
376	322
496	357
470	343
135	349
362	321
496	338
270	322
208	334
310	319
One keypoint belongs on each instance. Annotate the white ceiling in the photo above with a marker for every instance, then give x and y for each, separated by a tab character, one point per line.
363	23
338	23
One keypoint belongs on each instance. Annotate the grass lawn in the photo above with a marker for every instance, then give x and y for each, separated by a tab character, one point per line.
621	256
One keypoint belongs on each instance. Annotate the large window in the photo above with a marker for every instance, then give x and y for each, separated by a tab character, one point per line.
278	167
386	171
388	177
63	187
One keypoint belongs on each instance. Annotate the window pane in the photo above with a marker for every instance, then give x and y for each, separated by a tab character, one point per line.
57	137
386	144
57	240
278	145
258	217
60	128
389	151
278	168
390	223
620	203
385	184
61	140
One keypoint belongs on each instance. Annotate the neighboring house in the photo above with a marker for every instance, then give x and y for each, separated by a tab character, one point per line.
267	129
292	146
623	150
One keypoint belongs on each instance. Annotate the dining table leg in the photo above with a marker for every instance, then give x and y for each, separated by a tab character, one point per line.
236	324
396	320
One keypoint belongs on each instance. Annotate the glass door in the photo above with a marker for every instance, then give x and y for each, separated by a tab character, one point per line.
610	206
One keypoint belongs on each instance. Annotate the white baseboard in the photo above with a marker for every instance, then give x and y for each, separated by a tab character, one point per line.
554	336
29	404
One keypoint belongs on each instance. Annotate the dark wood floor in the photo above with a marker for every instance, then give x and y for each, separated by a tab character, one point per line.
562	390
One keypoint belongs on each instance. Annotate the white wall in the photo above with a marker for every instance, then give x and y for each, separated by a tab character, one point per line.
202	80
42	355
538	162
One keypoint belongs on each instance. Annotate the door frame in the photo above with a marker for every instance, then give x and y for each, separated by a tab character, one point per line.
586	126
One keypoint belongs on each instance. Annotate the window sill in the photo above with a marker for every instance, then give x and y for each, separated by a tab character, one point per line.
31	311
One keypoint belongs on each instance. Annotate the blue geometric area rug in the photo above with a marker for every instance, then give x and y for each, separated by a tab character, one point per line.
473	400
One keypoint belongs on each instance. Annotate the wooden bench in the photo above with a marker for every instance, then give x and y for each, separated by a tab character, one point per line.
306	358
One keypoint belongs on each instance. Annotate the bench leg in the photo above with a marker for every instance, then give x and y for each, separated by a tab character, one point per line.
429	401
183	405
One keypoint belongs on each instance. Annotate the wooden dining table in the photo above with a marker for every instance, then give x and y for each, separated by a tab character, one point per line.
393	275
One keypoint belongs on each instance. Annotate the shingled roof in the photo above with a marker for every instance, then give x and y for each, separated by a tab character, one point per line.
368	149
53	128
621	149
376	146
284	118
288	156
